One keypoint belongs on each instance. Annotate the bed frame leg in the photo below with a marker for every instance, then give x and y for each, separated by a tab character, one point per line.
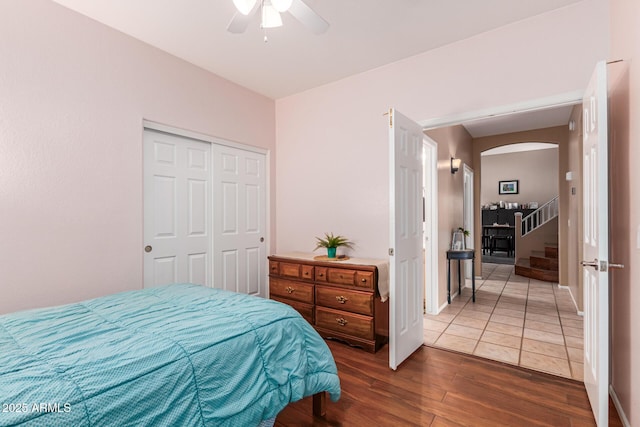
319	404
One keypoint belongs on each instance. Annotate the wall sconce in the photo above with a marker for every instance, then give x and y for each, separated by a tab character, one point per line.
455	165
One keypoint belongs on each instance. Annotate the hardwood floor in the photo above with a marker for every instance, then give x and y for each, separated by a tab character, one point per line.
436	387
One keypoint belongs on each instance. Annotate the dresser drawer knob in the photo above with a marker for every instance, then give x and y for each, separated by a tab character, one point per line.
341	321
321	274
364	280
289	289
341	299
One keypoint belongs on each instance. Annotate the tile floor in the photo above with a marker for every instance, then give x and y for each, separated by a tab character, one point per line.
516	320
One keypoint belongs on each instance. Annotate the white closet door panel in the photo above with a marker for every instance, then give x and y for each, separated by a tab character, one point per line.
240	220
177	213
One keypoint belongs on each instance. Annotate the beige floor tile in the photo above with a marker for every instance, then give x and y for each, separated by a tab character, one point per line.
552	365
545	311
503	328
492	327
475	314
430	337
470	322
577	370
456	343
519	314
543	318
575	354
543	326
463	331
548	337
520	307
540	347
574	342
572	332
478	307
501	339
507	320
497	352
434	325
440	317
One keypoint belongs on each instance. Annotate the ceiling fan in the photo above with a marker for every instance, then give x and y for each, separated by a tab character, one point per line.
270	14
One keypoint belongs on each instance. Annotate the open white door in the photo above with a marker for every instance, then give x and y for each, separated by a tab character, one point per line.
596	245
406	259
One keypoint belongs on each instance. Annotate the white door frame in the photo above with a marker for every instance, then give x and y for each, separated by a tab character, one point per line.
430	192
468	214
151	125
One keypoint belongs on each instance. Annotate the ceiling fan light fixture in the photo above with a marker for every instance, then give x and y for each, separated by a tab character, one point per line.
244	6
281	5
270	16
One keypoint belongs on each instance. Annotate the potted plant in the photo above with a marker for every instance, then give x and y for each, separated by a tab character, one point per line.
332	242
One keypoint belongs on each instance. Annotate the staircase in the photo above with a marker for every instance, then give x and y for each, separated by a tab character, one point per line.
541	265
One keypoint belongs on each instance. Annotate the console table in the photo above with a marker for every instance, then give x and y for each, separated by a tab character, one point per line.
461	256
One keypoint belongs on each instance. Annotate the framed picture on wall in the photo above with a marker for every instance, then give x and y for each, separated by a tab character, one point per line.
508	187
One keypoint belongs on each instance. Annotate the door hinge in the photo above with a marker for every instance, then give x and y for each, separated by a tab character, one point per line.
390	251
390	118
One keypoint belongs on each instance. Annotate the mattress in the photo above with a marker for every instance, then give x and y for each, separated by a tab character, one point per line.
183	355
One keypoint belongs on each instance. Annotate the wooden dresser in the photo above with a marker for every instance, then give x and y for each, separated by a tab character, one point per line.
341	300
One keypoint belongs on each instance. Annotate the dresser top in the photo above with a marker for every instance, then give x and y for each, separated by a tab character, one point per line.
381	265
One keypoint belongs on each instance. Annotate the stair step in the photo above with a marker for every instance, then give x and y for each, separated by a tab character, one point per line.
523	268
538	259
551	250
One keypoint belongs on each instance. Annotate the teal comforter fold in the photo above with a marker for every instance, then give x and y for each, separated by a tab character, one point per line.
180	355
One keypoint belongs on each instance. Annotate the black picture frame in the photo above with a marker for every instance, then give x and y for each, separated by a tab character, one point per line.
509	187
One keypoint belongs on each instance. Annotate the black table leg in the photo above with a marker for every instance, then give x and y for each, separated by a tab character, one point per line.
459	286
473	279
449	281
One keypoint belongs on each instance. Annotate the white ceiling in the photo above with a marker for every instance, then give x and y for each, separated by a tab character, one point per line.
363	34
515	122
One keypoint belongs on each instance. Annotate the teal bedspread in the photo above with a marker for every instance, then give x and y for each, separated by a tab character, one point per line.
181	355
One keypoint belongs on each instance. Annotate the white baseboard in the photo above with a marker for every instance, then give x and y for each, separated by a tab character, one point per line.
616	403
575	304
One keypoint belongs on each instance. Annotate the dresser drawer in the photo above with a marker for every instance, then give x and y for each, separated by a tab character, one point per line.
341	276
295	271
364	279
344	322
321	274
345	299
306	310
291	290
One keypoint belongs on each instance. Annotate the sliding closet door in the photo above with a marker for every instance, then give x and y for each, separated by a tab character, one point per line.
177	212
239	228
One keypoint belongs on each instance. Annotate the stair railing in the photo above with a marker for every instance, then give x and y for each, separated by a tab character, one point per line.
540	216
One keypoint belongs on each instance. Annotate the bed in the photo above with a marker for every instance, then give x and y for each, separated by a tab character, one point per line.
182	355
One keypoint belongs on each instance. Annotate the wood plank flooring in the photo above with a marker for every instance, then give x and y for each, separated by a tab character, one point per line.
436	387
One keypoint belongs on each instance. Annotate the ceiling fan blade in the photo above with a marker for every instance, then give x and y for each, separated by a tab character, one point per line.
240	22
308	17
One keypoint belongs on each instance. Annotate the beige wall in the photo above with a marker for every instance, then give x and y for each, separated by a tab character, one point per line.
536	171
624	177
73	95
453	141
